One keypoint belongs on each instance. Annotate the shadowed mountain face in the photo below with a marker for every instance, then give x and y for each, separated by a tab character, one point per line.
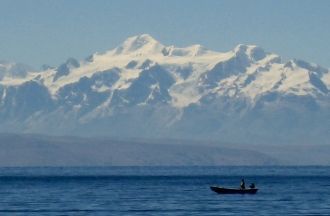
145	89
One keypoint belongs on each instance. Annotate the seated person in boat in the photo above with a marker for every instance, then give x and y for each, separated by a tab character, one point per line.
242	184
252	186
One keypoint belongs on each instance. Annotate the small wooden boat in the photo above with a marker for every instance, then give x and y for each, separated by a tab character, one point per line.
222	190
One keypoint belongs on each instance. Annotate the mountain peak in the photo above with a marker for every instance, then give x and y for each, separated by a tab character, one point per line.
252	51
145	37
141	44
13	69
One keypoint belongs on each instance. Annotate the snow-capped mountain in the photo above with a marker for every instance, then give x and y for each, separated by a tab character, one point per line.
13	69
143	88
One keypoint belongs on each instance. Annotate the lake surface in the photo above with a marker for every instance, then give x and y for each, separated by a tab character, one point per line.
163	191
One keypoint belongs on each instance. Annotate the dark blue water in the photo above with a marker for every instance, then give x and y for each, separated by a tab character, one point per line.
163	191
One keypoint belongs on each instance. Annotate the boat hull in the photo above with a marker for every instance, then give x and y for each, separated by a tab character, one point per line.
221	190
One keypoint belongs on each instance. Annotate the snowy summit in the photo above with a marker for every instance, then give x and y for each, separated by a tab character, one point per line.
143	88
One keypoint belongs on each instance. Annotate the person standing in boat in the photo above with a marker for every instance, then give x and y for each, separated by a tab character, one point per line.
242	184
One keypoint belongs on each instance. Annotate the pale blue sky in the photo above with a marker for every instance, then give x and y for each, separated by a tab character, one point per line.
40	32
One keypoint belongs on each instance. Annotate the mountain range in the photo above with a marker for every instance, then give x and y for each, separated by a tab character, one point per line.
144	89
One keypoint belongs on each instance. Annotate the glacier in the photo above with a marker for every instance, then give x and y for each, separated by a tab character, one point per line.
144	89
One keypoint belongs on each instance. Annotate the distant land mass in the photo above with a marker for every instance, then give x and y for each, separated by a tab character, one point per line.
39	151
147	90
32	150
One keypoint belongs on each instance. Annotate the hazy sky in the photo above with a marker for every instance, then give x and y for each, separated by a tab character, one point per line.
40	32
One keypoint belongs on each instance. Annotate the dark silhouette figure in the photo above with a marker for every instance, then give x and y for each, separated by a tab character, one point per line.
252	186
242	184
